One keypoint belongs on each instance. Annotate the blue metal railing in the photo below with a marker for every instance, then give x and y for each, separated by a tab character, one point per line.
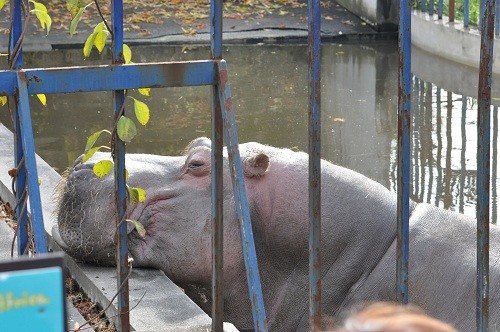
403	188
314	120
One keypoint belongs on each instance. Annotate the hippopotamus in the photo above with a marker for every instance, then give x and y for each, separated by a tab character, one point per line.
358	236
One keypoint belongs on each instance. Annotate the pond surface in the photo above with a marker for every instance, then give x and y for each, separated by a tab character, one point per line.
269	90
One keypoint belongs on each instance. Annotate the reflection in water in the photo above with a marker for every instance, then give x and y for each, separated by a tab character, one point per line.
444	139
269	89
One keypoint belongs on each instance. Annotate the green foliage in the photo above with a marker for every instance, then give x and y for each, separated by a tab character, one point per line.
74	6
141	111
97	38
136	195
127	54
93	138
42	15
88	154
126	129
138	227
102	168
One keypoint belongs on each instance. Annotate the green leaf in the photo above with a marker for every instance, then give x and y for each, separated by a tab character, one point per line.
100	27
2	3
141	111
127	54
3	100
137	194
42	15
126	129
100	40
103	168
145	91
75	21
126	175
74	6
138	227
93	138
39	181
42	98
88	45
88	154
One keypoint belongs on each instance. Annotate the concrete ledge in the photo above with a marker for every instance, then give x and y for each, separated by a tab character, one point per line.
449	40
164	306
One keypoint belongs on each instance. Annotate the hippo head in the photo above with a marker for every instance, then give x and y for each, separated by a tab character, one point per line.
175	214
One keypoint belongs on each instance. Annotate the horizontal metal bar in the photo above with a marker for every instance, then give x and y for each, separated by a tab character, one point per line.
111	77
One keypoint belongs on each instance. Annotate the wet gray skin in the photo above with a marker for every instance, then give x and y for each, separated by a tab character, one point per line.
358	236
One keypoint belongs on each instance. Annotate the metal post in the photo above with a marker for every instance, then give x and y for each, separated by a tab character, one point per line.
431	7
404	107
217	163
28	144
451	10
20	180
440	9
483	164
120	185
314	120
240	200
466	13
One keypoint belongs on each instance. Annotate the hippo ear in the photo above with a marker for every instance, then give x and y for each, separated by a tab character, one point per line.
200	141
255	165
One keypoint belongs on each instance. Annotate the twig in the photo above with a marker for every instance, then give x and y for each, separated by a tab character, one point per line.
103	18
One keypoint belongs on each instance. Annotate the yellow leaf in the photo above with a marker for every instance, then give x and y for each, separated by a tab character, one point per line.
100	40
3	100
88	45
42	98
75	21
100	27
145	91
2	3
138	227
127	54
103	168
141	111
42	15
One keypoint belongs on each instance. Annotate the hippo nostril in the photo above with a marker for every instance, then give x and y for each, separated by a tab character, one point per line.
57	237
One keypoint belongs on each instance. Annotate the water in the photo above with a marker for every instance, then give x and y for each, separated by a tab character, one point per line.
269	89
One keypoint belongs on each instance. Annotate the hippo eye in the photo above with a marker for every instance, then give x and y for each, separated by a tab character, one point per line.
195	164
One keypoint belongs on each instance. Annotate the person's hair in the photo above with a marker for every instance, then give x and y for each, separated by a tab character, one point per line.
390	317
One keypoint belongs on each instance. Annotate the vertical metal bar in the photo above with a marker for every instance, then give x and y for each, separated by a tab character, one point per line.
217	163
404	108
314	120
240	200
448	197
481	11
440	9
497	19
30	162
120	185
439	150
451	10
423	5
431	7
494	171
20	181
483	164
462	155
466	13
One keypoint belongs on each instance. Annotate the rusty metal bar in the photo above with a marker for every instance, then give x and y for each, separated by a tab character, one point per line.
483	163
118	145
240	200
217	164
451	10
314	120
404	122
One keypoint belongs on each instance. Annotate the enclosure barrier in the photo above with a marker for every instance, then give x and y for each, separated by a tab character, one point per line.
117	77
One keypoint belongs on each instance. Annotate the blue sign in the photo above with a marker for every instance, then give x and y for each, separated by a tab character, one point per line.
32	299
